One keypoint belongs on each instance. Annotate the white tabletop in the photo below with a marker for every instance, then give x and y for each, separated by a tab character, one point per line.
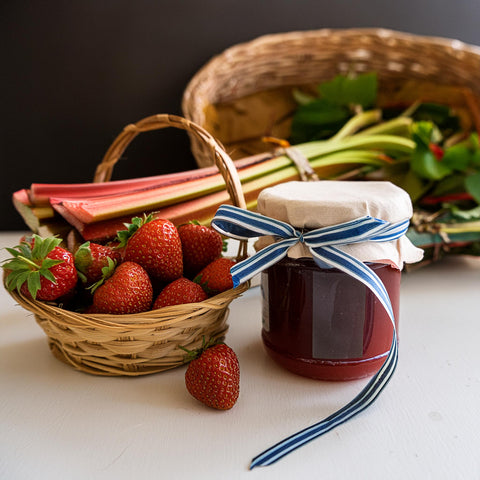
57	423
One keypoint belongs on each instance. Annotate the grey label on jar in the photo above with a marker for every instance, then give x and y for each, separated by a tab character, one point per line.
338	317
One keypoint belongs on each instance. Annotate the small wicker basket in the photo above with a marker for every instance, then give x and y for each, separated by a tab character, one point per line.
147	342
277	61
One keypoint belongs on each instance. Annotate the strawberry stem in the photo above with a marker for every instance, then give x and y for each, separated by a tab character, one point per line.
193	354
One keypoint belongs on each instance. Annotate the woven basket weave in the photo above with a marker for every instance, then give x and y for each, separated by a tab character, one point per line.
147	342
310	57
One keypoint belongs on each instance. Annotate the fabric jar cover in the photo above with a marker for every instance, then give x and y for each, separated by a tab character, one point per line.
311	205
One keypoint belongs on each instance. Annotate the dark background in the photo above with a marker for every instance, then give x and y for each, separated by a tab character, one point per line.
74	73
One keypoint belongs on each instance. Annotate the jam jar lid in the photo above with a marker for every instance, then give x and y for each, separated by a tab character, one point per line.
310	205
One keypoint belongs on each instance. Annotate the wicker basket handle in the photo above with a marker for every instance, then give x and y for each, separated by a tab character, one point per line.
221	159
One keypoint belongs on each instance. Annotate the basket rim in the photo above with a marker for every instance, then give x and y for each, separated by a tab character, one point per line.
379	32
164	316
454	45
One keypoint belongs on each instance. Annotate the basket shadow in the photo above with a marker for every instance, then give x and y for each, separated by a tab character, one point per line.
31	363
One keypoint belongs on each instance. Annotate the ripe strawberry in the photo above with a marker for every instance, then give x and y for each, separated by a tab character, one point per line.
127	290
216	277
214	377
201	245
40	269
178	292
155	245
90	258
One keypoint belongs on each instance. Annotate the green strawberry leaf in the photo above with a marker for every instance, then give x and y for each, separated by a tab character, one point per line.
107	272
131	228
83	258
29	263
33	283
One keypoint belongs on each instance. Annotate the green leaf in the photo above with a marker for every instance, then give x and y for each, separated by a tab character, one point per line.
476	159
471	214
43	246
320	112
458	158
423	161
413	185
48	275
425	165
107	272
472	185
451	184
348	90
422	133
50	262
124	235
441	115
33	283
317	120
20	279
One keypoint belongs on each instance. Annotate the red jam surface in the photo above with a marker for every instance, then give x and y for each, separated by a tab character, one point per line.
324	324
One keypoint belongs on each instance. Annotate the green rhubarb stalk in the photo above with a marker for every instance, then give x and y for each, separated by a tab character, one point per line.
460	227
381	142
97	209
396	126
356	123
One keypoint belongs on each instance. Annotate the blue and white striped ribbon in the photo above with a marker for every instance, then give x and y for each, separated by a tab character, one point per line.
242	224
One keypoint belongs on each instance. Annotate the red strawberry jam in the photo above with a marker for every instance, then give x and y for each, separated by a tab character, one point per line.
324	324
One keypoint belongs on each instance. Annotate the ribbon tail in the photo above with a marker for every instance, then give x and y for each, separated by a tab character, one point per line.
363	400
368	395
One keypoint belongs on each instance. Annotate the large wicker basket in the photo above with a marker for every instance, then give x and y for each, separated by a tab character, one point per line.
147	342
274	62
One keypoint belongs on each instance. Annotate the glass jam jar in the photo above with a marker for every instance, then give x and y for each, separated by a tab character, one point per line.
320	322
323	324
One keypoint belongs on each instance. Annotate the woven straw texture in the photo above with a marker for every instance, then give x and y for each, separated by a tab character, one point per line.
147	342
309	57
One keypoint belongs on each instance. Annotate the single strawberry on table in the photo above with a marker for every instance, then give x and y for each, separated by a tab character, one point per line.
216	277
155	245
213	377
91	257
41	269
201	245
127	290
180	291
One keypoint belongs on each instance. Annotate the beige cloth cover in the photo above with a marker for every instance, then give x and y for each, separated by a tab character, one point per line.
310	205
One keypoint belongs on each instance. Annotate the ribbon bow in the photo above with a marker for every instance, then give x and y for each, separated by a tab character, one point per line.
323	244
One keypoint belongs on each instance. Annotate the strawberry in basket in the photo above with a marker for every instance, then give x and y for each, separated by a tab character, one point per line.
125	289
180	291
216	277
201	245
155	245
41	269
91	258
